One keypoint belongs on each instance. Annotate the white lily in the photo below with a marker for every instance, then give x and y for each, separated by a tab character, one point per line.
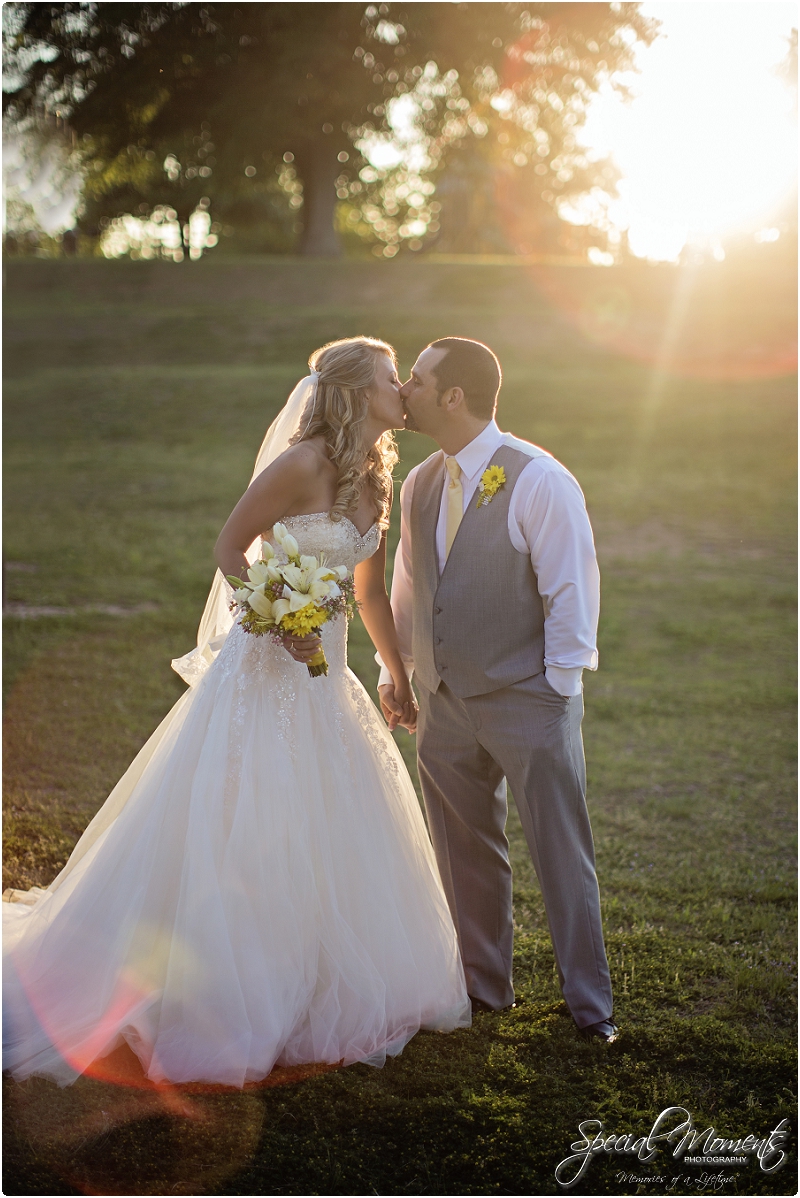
341	571
319	591
258	574
307	562
294	576
299	601
280	608
267	552
280	532
274	573
261	604
290	547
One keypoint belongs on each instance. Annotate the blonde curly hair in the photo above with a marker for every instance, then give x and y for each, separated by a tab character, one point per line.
346	372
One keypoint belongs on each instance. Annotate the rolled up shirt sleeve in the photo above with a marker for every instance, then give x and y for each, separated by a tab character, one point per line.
548	517
401	588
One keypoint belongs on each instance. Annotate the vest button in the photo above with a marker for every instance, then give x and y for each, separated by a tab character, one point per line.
438	611
438	640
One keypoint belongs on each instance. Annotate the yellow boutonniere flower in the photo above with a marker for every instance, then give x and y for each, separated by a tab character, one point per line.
491	482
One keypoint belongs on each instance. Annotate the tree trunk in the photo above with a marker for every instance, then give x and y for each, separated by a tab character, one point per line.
317	168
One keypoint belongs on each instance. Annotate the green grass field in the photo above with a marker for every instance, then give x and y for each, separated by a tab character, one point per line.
136	397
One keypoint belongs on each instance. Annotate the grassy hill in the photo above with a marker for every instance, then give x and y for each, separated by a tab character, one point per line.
136	397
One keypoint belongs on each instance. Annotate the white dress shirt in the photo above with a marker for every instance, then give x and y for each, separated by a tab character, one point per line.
547	518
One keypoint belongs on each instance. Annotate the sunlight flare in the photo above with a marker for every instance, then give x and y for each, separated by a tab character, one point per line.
707	147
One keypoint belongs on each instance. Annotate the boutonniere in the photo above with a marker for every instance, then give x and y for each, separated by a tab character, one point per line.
491	481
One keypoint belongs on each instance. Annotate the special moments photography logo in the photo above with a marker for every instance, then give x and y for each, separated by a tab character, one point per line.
691	1147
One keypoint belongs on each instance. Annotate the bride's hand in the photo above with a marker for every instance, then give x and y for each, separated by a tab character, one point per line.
399	705
302	648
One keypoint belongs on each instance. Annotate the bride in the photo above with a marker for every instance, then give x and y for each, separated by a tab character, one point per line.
259	889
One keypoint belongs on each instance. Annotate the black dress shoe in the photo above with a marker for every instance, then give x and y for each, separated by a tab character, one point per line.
606	1030
479	1007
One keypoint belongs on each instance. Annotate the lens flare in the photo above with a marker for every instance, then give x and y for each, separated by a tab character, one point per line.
732	320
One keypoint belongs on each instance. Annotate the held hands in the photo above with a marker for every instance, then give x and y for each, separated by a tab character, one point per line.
399	705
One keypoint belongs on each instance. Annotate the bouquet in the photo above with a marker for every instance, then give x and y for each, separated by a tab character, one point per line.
294	599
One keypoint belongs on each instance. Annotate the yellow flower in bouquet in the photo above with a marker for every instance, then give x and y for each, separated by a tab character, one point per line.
300	623
292	599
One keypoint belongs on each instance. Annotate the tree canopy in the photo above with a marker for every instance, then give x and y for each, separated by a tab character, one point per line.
266	112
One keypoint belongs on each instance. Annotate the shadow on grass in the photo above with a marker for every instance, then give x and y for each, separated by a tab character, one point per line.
492	1110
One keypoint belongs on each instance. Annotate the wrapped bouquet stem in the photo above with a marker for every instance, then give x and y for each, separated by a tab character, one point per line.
292	599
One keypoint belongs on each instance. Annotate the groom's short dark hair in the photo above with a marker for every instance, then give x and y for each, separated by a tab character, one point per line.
473	367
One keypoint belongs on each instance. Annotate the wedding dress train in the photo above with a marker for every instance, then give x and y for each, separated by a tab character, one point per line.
264	894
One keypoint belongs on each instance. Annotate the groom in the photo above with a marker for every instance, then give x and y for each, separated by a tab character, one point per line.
495	596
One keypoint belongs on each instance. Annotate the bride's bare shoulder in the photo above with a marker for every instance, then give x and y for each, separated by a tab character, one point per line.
313	450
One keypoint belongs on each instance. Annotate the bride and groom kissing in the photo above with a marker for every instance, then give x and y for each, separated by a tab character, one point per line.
260	888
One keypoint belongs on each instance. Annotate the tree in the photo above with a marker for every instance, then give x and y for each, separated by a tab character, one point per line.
174	103
501	115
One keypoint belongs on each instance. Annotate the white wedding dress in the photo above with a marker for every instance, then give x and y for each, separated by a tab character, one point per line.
264	893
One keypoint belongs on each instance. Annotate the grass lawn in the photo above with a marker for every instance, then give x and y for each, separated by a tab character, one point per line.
136	397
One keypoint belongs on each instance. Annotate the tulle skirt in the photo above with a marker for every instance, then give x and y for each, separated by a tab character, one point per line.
258	890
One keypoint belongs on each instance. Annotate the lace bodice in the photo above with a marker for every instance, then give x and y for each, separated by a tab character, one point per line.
340	541
258	657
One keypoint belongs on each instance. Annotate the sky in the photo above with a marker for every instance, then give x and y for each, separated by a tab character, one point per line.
708	146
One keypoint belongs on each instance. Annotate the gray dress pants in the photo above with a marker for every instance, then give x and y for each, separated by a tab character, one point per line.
529	734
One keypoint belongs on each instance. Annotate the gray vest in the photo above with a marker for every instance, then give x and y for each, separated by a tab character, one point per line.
480	626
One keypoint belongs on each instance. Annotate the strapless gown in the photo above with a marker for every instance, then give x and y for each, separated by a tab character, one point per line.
264	895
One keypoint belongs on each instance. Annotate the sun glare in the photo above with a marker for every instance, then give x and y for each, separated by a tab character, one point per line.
708	145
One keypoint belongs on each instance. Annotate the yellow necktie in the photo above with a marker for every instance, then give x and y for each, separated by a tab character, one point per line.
455	503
